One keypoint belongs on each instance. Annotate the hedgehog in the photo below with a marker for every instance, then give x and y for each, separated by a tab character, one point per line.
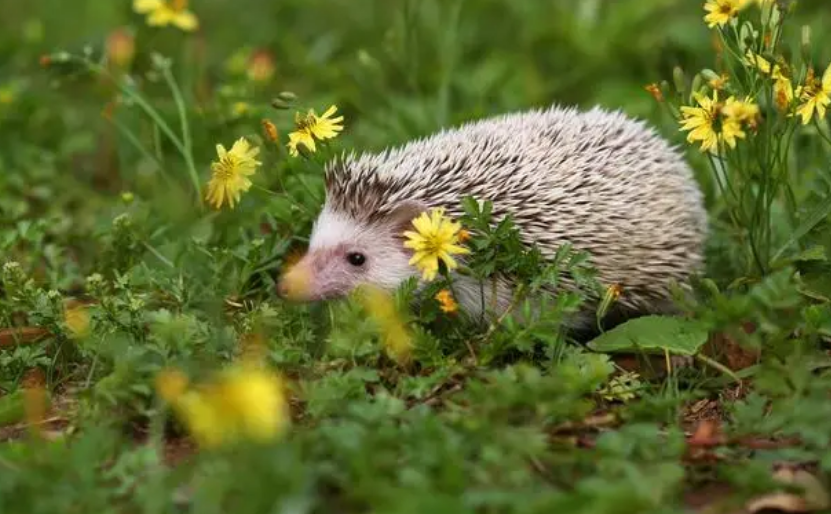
602	181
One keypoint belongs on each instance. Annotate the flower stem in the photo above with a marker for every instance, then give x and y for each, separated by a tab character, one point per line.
187	144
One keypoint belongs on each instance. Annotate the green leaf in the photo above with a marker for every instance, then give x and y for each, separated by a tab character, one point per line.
12	409
815	217
654	334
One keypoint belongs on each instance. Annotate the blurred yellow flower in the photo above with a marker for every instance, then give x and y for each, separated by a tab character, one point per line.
231	172
719	82
815	96
783	89
121	47
311	127
464	236
171	384
240	108
245	402
742	111
434	240
381	307
709	125
161	13
719	12
35	404
77	321
783	92
260	66
7	95
758	61
446	301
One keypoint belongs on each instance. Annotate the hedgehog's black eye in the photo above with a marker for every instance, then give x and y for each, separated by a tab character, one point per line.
356	258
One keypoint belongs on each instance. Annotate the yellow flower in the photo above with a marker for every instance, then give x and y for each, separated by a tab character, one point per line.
161	13
255	398
446	301
121	47
783	92
719	82
719	12
240	108
230	173
260	66
710	125
435	240
815	96
381	307
77	321
783	89
311	127
758	61
743	111
246	402
7	95
611	295
35	405
171	384
202	420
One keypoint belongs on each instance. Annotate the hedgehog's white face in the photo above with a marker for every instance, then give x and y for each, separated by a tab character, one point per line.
344	253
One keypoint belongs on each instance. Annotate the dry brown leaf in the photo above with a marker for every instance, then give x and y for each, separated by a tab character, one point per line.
707	433
783	502
21	335
814	498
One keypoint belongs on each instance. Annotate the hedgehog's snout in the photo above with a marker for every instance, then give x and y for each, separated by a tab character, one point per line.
282	289
295	283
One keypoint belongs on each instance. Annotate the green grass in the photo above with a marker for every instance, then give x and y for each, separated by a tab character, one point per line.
494	417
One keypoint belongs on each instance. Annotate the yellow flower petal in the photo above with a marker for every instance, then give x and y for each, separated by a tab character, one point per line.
826	79
160	17
145	6
186	21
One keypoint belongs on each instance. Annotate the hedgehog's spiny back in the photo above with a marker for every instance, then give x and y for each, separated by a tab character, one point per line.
600	180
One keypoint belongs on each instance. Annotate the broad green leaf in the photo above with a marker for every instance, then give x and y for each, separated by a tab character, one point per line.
653	334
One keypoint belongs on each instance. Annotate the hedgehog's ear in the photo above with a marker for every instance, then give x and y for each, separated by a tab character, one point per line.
403	214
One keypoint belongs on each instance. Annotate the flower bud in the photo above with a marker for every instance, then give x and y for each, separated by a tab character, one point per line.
697	82
806	40
679	79
270	131
287	96
655	91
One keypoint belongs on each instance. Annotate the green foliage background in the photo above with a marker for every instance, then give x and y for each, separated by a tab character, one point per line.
175	285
